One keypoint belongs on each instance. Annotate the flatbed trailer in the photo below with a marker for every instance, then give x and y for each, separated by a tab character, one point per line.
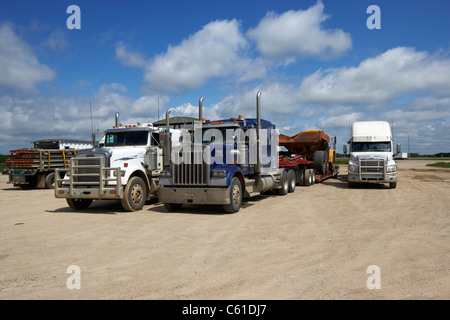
31	168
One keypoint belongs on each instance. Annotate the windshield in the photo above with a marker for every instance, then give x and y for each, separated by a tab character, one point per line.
371	146
219	135
129	138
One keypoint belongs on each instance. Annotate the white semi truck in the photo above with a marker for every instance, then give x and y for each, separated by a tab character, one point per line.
126	166
371	154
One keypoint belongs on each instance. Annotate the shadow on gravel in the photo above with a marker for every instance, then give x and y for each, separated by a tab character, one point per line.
97	207
205	209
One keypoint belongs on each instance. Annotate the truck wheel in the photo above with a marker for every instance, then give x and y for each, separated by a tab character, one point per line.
50	181
32	183
309	177
235	196
134	195
78	204
284	183
300	175
172	206
292	180
393	185
320	159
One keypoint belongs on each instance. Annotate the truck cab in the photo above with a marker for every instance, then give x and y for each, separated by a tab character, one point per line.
371	152
230	159
126	166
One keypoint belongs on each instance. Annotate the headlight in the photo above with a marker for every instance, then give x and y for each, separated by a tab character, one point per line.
219	173
166	174
392	168
122	173
352	168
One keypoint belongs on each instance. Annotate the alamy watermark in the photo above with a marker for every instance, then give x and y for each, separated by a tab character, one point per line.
74	20
74	280
227	146
374	280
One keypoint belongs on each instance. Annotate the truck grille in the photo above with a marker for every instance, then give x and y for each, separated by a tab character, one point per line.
372	169
86	171
194	171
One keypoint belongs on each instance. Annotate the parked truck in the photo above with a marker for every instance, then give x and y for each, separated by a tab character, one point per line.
35	167
229	160
371	148
126	166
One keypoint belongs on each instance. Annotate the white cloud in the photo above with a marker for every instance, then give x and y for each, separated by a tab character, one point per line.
19	67
299	34
390	75
56	41
128	58
211	52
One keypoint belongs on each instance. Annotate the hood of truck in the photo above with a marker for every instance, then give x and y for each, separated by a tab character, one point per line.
130	155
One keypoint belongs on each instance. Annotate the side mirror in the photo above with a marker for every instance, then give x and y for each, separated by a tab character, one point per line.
345	148
399	149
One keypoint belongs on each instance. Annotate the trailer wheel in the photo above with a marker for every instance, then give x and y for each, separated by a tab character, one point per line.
134	195
32	183
50	181
320	159
300	176
172	206
309	177
79	204
284	183
291	180
235	196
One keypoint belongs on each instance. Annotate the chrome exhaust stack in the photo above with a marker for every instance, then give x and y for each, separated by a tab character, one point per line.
117	120
200	109
167	145
258	142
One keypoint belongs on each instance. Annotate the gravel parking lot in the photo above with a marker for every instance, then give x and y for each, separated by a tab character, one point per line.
315	243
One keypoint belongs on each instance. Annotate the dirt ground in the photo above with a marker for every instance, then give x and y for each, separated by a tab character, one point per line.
315	243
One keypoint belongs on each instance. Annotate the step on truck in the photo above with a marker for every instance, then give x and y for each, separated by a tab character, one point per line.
371	154
126	166
31	168
229	160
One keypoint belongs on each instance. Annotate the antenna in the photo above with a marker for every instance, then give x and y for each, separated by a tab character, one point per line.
158	108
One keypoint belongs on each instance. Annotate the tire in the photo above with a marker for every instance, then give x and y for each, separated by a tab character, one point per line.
235	196
32	183
284	184
50	181
134	195
291	181
309	177
79	204
320	159
172	206
300	175
393	185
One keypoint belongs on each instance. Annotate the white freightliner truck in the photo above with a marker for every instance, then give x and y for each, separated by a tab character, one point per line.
126	166
371	154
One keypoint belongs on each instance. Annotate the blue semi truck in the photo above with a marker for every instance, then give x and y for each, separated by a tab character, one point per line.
228	160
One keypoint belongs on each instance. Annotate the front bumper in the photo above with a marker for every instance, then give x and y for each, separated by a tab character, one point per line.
67	188
200	195
386	178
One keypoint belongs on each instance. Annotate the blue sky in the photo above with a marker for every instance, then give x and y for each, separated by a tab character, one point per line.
316	63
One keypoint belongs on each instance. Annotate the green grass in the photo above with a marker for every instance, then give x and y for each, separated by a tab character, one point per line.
341	160
439	165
